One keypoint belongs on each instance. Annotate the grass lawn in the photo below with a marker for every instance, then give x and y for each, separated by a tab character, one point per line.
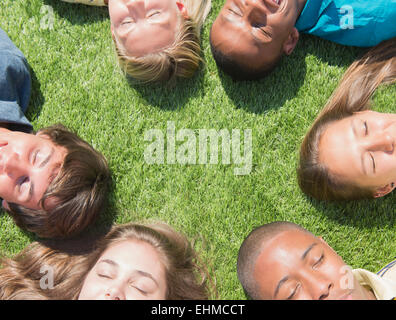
76	81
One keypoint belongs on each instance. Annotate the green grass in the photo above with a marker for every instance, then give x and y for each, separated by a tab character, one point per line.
76	82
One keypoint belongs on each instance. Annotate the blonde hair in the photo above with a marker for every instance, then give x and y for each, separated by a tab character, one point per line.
180	59
20	277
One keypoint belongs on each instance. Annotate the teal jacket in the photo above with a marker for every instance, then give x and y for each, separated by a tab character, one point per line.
360	23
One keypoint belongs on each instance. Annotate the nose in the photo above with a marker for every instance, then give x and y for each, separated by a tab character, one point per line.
321	288
255	12
318	285
13	166
381	142
114	293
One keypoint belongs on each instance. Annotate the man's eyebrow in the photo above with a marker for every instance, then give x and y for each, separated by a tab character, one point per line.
282	281
304	255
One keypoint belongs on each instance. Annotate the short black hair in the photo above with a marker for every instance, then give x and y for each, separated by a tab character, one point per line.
238	71
251	248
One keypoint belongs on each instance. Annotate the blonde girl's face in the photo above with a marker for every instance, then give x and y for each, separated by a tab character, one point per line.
128	270
145	26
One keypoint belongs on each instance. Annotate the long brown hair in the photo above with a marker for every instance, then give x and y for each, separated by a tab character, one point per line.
377	66
21	277
80	189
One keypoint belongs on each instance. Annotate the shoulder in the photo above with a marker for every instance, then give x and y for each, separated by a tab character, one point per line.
389	271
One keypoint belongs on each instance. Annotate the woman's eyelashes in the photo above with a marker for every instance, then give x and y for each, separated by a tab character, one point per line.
142	291
153	14
294	292
134	285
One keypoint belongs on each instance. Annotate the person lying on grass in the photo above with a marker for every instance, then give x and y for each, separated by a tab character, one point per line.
132	262
283	261
349	153
156	40
51	182
249	37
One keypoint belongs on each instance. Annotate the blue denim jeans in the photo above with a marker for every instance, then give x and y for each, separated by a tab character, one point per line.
15	86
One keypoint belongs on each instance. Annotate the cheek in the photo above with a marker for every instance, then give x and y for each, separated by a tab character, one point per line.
117	12
91	288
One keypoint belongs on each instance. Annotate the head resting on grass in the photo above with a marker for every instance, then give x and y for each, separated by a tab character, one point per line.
158	40
132	262
52	182
349	153
282	260
249	37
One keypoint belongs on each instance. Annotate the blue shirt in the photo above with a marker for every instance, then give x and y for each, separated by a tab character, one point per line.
360	23
15	86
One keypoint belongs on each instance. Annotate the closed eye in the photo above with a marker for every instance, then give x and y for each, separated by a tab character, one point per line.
373	161
140	290
293	293
35	156
234	12
154	14
365	128
320	260
265	32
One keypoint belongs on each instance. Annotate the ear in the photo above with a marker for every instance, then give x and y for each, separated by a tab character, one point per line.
182	9
5	205
291	41
384	190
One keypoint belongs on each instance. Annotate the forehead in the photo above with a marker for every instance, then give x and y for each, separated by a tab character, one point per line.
149	38
142	34
133	254
278	257
338	148
284	245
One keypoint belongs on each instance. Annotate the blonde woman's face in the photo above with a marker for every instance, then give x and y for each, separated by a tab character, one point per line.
361	149
129	270
144	26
